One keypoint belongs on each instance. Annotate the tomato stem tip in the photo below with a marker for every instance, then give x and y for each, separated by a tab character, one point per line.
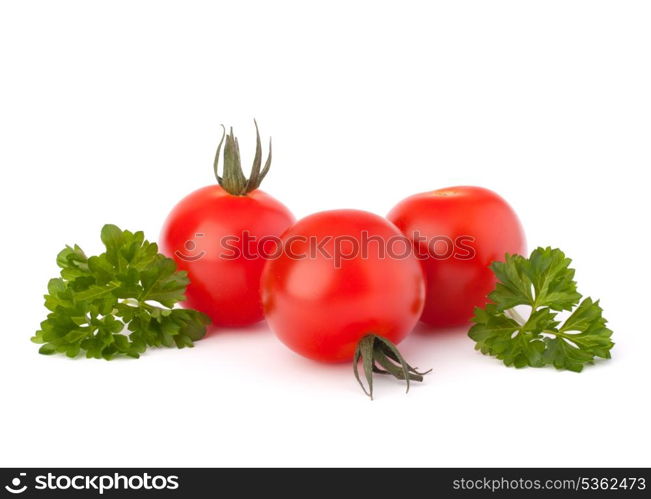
233	179
381	356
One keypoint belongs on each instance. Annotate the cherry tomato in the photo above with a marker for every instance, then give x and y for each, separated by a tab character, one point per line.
215	235
320	303
457	232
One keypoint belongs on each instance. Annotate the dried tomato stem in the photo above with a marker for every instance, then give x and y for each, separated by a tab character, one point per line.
233	179
381	356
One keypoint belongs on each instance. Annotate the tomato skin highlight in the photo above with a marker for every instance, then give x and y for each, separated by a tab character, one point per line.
228	290
458	283
321	310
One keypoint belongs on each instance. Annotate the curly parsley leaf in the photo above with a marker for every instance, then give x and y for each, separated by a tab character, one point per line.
545	283
117	303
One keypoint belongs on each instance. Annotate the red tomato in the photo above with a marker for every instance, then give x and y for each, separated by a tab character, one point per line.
215	234
458	232
226	289
320	304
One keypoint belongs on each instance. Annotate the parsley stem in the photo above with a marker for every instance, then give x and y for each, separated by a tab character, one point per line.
513	314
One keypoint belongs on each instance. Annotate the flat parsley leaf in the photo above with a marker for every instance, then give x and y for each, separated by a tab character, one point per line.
545	283
117	303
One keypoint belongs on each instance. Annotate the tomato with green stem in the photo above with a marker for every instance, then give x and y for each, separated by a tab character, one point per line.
343	289
212	232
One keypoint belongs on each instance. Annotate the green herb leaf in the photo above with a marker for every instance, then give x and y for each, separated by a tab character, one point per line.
117	303
545	283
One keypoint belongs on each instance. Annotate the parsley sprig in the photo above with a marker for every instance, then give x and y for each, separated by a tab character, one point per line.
545	283
118	303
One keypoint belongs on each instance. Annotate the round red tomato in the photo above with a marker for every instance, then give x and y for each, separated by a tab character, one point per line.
457	232
217	235
337	280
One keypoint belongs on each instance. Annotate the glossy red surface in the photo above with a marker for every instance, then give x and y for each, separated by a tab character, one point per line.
320	309
456	285
228	290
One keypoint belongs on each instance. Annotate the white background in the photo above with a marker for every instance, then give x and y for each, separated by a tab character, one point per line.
109	112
